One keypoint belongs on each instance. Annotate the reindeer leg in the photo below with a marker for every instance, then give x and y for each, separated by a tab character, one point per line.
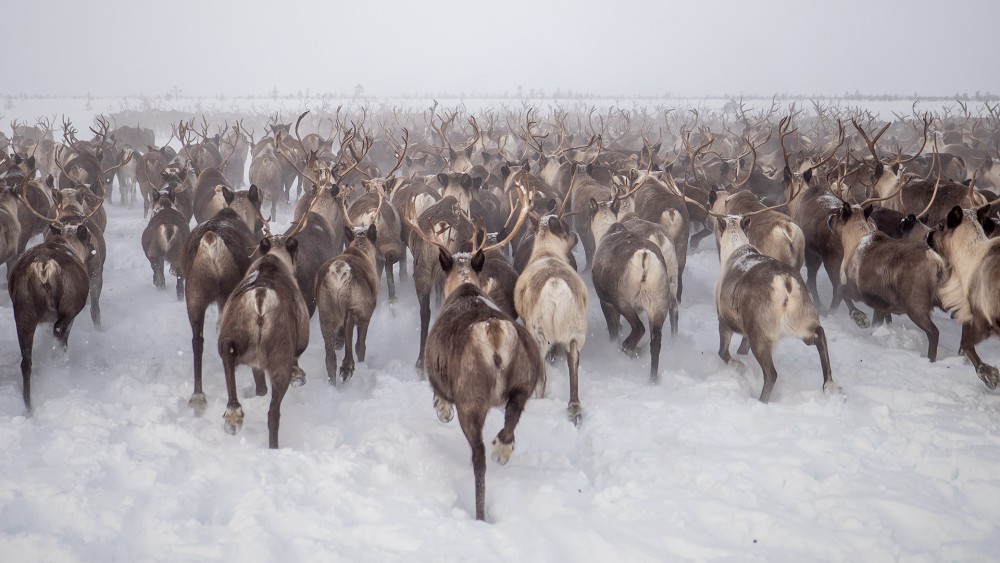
425	319
347	366
234	411
260	382
26	340
813	261
180	286
923	320
197	315
573	359
361	346
96	284
472	421
725	338
655	341
832	266
744	346
818	340
390	282
857	315
631	345
279	385
973	333
330	330
503	444
159	281
762	351
697	237
613	319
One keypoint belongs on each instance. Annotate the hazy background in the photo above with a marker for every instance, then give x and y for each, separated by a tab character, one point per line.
620	47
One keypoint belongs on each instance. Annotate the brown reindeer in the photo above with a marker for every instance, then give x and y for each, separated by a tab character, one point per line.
216	256
479	357
163	240
763	299
889	275
265	324
346	293
50	283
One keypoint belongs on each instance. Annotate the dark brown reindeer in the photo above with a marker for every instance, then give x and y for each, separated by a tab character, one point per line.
163	240
478	358
763	299
887	274
216	256
631	276
50	283
265	324
971	293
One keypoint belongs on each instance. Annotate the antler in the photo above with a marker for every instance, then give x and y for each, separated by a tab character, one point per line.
840	142
784	132
525	198
402	154
927	123
871	141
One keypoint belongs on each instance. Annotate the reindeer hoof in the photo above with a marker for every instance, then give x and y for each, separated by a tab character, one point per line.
346	373
575	413
860	319
444	409
199	403
501	451
298	377
831	388
233	420
990	376
630	352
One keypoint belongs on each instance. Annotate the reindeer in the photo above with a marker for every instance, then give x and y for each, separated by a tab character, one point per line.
763	299
970	292
551	298
889	275
479	357
163	239
49	283
632	275
216	256
346	293
265	324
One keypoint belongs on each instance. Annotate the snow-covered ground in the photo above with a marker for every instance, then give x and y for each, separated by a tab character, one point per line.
113	465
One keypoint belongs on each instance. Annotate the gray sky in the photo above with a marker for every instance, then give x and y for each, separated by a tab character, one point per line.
612	47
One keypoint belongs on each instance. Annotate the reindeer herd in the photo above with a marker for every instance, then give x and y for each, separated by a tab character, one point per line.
491	207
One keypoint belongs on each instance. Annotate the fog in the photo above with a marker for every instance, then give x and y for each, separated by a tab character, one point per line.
627	47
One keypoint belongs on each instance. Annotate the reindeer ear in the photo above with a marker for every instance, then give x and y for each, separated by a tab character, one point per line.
713	196
466	181
55	229
444	257
372	234
983	212
82	233
31	161
478	261
552	205
50	181
592	206
616	204
265	245
989	226
879	170
807	176
868	210
255	196
930	240
477	182
745	223
292	246
443	179
526	166
504	171
555	225
895	168
954	217
228	194
787	175
182	174
845	211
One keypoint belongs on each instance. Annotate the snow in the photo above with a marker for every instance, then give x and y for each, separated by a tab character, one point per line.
114	465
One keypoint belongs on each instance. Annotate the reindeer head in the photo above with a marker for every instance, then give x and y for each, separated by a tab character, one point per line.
603	214
461	268
851	223
959	232
459	186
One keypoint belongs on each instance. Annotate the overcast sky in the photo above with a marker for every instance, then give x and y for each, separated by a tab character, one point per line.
615	47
